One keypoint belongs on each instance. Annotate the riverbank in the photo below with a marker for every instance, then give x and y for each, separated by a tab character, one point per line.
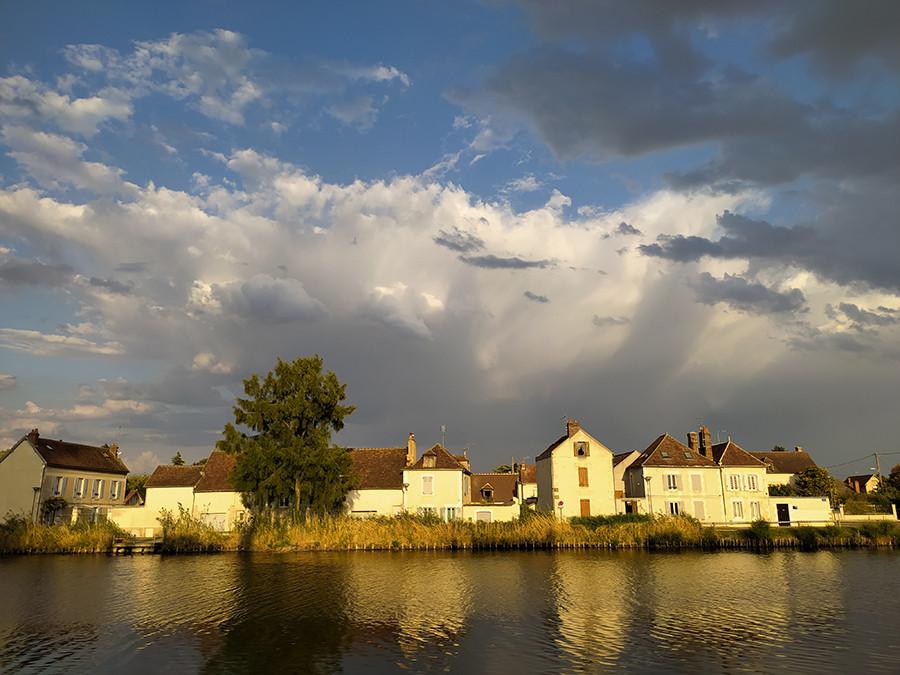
185	534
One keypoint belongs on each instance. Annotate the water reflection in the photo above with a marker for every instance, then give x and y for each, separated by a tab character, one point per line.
457	612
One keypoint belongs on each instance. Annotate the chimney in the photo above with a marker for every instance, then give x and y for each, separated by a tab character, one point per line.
33	436
411	449
798	448
114	449
572	427
706	442
694	441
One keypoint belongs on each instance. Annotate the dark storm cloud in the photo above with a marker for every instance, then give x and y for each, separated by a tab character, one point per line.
15	272
534	297
111	285
458	240
855	239
747	296
864	317
494	262
625	230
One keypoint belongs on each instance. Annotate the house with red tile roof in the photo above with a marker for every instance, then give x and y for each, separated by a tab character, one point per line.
91	479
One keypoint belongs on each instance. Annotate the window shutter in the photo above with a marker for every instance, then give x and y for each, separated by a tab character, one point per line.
65	483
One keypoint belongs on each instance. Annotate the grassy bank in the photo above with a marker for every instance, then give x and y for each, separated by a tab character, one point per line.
19	536
182	533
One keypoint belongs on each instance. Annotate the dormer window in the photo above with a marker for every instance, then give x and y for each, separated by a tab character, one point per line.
688	454
582	449
487	494
428	461
664	454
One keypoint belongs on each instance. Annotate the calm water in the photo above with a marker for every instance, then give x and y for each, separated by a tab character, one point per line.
465	613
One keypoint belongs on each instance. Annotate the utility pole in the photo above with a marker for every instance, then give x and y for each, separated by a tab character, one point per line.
878	467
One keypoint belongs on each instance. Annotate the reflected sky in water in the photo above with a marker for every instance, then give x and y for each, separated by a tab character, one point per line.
535	612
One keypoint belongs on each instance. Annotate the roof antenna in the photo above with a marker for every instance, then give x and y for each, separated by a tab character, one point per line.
444	435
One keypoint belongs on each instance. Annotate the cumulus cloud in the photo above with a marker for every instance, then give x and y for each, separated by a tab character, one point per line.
16	271
458	240
50	344
7	381
209	362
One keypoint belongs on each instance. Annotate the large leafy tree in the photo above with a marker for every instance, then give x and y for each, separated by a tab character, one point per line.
889	487
815	482
291	413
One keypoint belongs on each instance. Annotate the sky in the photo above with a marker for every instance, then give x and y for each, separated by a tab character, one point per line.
485	215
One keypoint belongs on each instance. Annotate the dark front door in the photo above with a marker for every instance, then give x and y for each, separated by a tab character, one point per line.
784	514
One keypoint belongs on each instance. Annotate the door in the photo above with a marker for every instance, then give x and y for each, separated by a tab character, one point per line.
784	514
585	507
482	516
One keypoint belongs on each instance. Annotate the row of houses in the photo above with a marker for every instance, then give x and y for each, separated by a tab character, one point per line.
576	475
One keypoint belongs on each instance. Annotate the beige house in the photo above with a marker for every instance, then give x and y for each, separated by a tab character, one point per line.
715	483
437	483
169	488
621	461
782	466
89	478
575	475
379	479
216	501
528	487
492	497
865	484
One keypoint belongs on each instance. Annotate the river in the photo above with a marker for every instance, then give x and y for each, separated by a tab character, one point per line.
383	612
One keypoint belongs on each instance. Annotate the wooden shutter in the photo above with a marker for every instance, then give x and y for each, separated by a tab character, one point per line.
585	507
582	476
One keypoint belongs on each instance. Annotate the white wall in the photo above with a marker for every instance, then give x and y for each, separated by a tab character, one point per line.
564	464
374	502
222	510
498	512
20	474
447	488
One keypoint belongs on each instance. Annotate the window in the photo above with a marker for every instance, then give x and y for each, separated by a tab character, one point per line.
674	508
284	502
427	485
98	488
688	454
428	461
754	510
59	486
751	483
664	454
734	482
582	476
737	509
700	510
482	516
114	489
451	513
582	449
487	494
79	487
696	482
671	481
427	511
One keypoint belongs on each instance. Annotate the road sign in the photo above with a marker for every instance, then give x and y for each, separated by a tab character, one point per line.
560	503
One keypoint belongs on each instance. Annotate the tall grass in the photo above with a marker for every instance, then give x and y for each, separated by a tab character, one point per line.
17	535
183	533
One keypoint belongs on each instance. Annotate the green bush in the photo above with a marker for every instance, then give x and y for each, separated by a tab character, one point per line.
759	530
186	534
808	538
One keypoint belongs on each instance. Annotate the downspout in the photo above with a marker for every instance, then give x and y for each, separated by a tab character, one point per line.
35	506
724	503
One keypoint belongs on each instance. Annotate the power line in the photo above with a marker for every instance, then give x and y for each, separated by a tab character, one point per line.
859	459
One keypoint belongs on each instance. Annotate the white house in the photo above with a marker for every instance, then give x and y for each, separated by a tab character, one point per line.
91	479
437	483
575	475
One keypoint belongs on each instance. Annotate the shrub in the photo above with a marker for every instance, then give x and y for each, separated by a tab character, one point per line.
18	535
808	538
186	534
593	522
760	530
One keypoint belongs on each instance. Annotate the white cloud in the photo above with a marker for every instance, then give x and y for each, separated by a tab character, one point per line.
207	361
21	98
7	381
269	300
54	160
526	183
145	462
49	344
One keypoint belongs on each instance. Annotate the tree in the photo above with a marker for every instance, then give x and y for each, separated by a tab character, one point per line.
52	506
814	482
889	486
178	460
293	411
503	468
778	448
785	490
137	481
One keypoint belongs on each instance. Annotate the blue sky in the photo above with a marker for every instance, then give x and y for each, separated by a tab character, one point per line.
487	215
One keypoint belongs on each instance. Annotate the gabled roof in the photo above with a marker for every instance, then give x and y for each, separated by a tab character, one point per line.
666	451
216	473
861	479
379	468
786	462
550	448
730	453
622	456
169	475
64	455
442	459
503	485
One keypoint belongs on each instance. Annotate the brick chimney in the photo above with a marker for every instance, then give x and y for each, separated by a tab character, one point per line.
693	441
33	436
798	448
572	427
706	442
114	449
411	449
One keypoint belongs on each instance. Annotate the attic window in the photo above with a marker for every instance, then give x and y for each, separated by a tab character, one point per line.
664	454
428	461
688	454
487	494
582	449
